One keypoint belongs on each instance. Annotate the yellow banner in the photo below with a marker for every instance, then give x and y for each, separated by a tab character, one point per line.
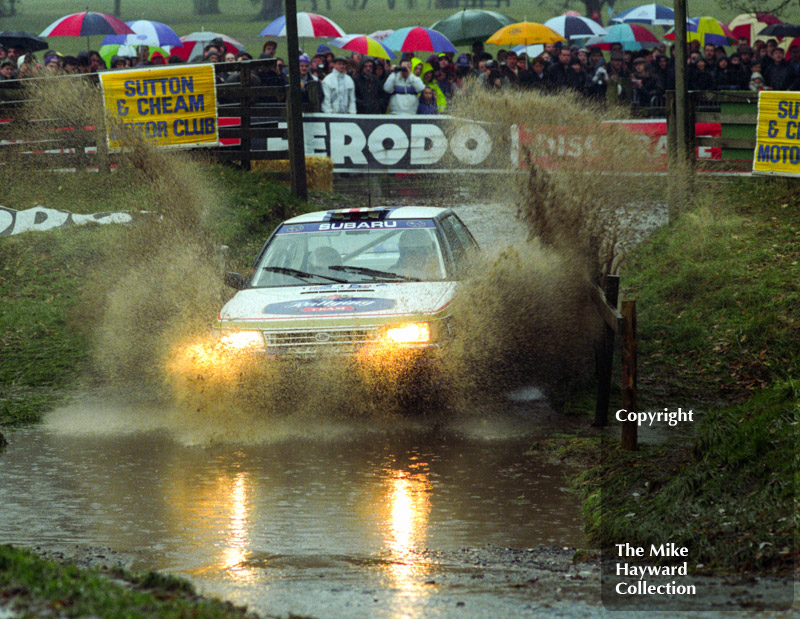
778	134
170	106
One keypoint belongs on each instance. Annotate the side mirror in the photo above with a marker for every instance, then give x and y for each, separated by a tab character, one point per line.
234	280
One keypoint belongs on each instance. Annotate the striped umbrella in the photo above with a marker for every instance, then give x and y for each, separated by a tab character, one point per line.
652	14
193	44
86	24
572	27
146	32
309	25
631	36
418	39
748	25
363	44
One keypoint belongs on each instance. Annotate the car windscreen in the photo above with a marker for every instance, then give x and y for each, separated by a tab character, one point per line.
351	251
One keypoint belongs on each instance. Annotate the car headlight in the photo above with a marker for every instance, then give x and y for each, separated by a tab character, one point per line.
243	340
412	333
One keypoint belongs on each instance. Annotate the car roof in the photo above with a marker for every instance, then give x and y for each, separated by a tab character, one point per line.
391	212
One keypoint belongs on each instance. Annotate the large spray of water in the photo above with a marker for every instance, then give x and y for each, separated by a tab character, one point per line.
524	317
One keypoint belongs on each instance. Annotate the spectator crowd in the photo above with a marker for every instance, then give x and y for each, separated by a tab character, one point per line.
362	85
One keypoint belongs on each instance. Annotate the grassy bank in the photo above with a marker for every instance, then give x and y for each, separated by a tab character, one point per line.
34	587
717	295
44	324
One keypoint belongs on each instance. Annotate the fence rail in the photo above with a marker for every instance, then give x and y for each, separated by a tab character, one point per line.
737	114
248	111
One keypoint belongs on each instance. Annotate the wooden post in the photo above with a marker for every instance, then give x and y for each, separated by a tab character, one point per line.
297	155
246	103
629	428
682	166
604	357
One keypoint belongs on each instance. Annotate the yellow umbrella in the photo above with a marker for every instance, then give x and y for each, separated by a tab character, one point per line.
524	33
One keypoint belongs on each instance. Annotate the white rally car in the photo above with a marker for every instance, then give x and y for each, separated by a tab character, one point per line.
346	280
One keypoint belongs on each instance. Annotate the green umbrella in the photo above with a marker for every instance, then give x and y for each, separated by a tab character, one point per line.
107	52
471	25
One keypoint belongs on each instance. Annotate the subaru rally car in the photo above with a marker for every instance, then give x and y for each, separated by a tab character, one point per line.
343	281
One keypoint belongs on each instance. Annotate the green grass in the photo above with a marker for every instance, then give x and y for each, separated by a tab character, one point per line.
34	587
236	17
717	295
45	322
731	499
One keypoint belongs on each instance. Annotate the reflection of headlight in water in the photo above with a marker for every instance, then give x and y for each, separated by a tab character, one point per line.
409	507
242	340
412	333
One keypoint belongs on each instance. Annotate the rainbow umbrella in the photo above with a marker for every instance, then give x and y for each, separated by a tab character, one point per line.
309	25
631	36
748	25
418	39
707	30
146	32
363	44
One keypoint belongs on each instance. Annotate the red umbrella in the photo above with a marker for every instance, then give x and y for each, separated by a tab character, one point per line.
86	24
194	43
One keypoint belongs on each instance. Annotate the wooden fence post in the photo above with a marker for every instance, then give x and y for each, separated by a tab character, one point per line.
629	428
604	356
297	155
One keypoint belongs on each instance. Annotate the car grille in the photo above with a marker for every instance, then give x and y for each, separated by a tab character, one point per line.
315	341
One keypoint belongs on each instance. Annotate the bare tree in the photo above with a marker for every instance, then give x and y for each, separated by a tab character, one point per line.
206	7
270	9
8	8
776	7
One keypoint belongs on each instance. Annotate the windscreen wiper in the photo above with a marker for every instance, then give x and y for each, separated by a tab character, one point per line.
373	272
303	274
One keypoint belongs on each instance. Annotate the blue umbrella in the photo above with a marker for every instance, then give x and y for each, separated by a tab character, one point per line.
146	32
653	14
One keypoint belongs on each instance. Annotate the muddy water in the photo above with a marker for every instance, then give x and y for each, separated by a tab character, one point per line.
322	522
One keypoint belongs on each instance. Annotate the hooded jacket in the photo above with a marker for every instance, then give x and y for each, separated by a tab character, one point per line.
369	92
441	100
403	91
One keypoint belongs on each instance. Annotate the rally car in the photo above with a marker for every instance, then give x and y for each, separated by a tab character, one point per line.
344	281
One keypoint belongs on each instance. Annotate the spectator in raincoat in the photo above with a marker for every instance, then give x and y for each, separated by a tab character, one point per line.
403	86
339	90
369	90
429	79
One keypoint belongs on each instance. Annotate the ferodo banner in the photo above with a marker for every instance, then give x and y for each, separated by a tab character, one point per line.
778	134
170	106
371	143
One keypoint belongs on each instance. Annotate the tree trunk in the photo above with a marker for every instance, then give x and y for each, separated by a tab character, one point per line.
117	8
270	9
206	7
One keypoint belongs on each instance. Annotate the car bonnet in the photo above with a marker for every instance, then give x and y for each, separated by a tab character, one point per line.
380	302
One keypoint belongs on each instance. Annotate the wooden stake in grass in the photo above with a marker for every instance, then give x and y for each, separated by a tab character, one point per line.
629	429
